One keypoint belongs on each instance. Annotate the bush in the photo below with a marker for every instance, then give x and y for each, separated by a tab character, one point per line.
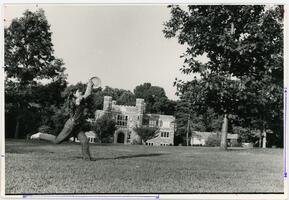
135	142
104	127
247	135
213	141
146	133
45	129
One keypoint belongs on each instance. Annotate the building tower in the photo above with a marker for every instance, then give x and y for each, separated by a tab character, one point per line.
107	103
140	105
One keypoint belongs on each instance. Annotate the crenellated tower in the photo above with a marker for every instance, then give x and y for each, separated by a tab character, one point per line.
140	106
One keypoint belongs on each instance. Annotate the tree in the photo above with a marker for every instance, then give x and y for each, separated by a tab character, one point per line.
244	45
126	98
28	58
104	127
155	98
146	133
193	109
246	134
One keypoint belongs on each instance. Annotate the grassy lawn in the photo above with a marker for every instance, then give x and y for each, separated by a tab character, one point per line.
40	167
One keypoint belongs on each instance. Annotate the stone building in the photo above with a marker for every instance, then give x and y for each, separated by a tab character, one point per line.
166	125
129	117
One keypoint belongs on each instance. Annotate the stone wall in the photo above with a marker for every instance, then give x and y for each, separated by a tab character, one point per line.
133	116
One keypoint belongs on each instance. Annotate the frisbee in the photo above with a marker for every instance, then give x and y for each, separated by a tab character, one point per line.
96	82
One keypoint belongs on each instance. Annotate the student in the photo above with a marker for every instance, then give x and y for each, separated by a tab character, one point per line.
74	126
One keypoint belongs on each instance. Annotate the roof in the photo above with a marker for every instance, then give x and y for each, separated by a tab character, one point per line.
161	117
90	134
205	135
232	136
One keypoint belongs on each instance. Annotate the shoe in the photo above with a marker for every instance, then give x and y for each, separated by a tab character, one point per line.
35	136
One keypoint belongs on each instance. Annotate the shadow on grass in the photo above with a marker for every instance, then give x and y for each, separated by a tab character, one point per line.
240	149
25	151
126	157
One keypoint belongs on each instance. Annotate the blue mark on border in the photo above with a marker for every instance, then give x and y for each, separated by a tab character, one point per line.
285	131
99	196
25	196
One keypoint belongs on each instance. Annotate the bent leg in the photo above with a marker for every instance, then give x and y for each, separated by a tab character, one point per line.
48	137
66	131
85	145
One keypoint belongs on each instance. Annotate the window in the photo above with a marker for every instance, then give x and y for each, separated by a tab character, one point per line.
165	134
161	123
152	123
121	120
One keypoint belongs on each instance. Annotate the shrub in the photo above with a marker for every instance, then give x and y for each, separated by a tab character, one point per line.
104	128
135	142
246	134
45	129
213	141
146	133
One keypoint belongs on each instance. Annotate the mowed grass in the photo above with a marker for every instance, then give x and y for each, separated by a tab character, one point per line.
40	167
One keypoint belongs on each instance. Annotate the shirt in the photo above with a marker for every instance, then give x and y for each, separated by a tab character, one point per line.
77	111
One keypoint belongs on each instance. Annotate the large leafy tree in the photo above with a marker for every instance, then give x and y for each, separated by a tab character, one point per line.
126	98
192	114
146	133
155	98
244	45
29	58
121	96
104	127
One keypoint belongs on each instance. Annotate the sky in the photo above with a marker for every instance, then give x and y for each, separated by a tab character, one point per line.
123	45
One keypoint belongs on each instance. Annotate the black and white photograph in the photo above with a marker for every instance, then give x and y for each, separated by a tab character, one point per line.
148	99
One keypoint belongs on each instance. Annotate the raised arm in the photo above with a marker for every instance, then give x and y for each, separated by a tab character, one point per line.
88	89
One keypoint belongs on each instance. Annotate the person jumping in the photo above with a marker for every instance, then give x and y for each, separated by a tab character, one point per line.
74	125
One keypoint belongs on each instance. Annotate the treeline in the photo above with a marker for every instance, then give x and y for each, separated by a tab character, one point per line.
243	78
35	82
241	82
46	106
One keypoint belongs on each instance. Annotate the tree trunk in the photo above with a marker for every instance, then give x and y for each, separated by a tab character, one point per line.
260	139
16	133
224	133
187	134
264	139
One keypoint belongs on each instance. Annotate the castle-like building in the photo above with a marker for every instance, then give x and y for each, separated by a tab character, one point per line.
129	117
